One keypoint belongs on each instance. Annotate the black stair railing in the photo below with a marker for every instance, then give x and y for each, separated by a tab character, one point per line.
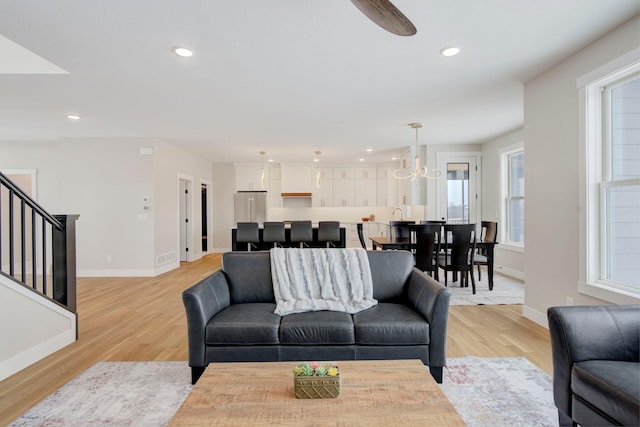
37	249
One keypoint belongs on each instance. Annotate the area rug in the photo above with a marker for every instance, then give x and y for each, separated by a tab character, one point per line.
505	291
500	392
486	392
115	394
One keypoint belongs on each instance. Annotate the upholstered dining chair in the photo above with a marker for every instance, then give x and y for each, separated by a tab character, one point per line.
459	243
427	247
488	233
329	232
400	229
247	232
301	233
273	232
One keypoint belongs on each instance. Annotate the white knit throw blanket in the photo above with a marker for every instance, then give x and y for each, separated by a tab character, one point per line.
321	279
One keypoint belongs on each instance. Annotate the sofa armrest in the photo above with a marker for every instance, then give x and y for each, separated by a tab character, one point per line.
581	333
431	300
202	301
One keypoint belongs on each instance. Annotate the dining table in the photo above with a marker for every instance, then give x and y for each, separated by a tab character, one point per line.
405	243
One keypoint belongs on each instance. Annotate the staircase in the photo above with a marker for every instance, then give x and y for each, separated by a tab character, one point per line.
37	280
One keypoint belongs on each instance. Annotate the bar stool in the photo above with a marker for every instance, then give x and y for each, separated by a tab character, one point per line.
301	233
273	232
247	232
329	232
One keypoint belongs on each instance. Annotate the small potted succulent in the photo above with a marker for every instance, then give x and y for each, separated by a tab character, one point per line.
316	380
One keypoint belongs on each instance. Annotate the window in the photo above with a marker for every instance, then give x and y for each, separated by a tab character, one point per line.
611	224
458	193
512	168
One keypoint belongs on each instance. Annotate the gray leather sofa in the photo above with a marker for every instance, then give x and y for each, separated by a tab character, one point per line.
596	375
230	317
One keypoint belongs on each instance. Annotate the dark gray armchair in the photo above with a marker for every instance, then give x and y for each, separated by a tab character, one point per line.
596	374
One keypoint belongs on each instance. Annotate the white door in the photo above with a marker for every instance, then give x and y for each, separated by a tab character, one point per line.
185	219
459	187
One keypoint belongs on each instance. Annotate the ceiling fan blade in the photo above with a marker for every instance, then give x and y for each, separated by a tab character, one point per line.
386	15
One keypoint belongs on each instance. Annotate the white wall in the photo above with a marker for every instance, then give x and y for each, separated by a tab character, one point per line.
30	329
506	261
551	133
170	163
105	182
224	187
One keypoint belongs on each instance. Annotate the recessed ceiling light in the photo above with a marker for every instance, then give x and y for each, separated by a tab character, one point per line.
73	117
449	51
394	158
182	51
270	160
368	150
362	160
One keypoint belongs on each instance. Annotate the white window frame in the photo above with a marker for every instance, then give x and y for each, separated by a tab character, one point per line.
505	196
592	252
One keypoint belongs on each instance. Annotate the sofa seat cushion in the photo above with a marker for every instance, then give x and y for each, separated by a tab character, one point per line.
317	327
611	386
244	324
390	324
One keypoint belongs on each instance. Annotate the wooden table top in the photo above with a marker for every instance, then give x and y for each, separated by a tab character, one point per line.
385	393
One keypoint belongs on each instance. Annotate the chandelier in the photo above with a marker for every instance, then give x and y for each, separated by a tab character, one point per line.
417	171
317	161
262	153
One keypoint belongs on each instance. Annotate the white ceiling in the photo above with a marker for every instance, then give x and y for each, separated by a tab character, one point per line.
286	76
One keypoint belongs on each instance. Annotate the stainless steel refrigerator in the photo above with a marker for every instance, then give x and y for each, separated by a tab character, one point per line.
251	206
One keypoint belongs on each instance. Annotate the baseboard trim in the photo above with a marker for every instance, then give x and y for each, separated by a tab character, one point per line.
510	272
129	273
535	316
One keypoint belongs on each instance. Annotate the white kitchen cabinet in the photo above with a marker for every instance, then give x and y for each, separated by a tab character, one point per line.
386	186
365	172
344	193
343	173
366	193
296	178
351	234
404	185
325	173
275	173
249	178
275	188
323	197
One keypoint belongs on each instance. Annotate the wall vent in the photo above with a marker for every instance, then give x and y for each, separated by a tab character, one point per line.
166	258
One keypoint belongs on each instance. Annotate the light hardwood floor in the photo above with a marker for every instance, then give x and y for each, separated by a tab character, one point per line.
142	319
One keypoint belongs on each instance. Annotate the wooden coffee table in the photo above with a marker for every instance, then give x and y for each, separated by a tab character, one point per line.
385	393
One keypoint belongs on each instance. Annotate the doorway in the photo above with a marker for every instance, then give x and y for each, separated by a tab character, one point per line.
205	204
184	202
459	191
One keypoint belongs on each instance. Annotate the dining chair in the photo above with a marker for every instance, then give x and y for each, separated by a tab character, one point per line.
488	233
247	232
400	229
301	233
361	235
459	242
273	232
427	247
441	223
329	232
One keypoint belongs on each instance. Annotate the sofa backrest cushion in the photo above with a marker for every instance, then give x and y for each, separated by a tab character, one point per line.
249	276
390	271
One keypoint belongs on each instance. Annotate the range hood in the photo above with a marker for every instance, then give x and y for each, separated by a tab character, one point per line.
296	195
